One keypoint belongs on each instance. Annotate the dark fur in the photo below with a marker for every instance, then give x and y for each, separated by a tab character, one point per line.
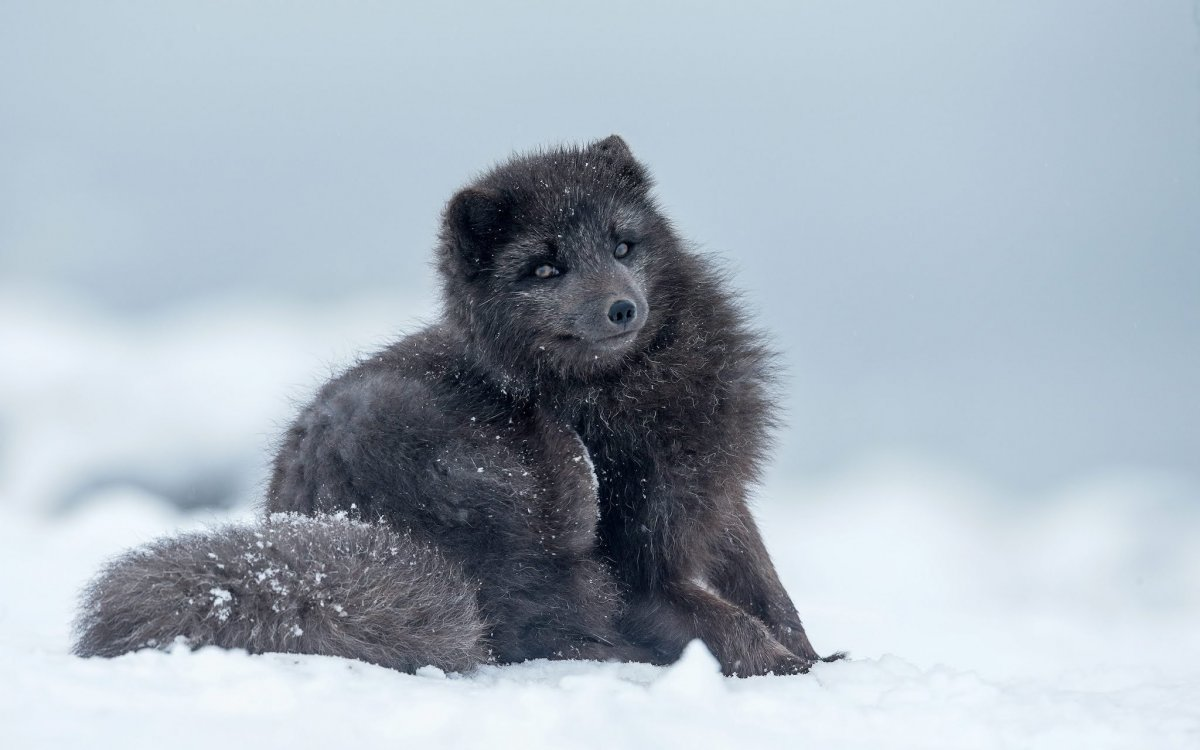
294	584
587	471
478	434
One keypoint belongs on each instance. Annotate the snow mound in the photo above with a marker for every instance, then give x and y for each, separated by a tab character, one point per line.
1042	628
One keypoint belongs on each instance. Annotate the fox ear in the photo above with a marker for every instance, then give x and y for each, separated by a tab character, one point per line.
477	221
614	150
614	145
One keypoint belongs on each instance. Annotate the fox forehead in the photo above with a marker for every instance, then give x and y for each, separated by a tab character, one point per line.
576	217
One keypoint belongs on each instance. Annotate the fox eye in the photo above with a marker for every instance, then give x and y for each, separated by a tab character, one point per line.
622	249
546	271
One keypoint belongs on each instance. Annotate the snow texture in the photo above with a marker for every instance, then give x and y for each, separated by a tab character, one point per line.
974	618
968	627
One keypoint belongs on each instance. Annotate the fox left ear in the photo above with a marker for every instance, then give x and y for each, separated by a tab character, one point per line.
477	221
616	151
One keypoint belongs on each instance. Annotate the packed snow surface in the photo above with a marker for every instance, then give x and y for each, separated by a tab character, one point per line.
975	617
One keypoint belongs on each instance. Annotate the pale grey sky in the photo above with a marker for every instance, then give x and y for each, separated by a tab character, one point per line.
974	227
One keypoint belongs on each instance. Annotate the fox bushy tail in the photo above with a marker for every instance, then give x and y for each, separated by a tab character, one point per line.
295	584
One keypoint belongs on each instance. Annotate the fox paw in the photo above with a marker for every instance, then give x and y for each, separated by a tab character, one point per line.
773	659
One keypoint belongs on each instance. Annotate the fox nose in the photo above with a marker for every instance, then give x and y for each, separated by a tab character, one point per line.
622	312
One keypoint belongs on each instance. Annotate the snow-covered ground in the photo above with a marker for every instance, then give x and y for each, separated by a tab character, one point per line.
975	618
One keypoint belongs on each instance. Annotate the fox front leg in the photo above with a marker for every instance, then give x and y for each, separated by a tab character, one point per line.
745	576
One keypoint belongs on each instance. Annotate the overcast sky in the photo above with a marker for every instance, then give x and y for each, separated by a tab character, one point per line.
973	228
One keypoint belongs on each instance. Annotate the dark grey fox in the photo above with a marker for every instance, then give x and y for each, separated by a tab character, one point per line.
573	443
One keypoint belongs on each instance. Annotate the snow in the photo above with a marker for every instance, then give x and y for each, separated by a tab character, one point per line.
221	599
975	617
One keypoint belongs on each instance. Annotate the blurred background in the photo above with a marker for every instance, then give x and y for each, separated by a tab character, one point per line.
973	229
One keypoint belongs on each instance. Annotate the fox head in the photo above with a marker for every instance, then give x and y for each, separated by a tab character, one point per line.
554	259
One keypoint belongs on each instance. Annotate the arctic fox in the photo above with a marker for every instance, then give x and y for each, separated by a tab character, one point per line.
564	459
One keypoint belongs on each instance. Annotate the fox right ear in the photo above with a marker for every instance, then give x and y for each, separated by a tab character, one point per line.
616	151
477	222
